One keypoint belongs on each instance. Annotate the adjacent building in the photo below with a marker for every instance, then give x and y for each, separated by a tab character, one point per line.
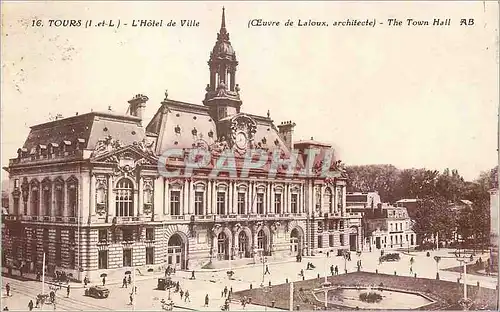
389	227
88	191
494	207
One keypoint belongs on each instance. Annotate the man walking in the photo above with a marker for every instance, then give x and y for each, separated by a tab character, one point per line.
267	270
67	292
186	296
206	300
104	281
7	288
336	270
30	305
124	282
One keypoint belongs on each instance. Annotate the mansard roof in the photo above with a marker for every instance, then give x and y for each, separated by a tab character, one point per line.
86	129
181	125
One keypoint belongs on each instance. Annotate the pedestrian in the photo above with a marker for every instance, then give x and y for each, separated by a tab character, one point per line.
182	293
301	272
225	291
7	288
192	275
131	299
130	279
103	280
222	293
67	292
85	282
37	302
206	300
267	270
135	289
336	270
186	296
30	305
124	282
411	270
327	254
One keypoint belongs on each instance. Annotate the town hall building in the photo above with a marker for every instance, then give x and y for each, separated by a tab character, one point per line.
87	190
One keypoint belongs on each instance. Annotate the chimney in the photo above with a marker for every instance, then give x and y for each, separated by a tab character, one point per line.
137	105
286	133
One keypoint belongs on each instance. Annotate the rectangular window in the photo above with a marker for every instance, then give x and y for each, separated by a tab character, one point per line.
341	239
277	203
241	203
260	203
294	201
16	183
330	240
150	234
222	112
320	241
46	201
58	235
72	200
175	203
150	255
58	254
128	235
103	259
59	201
35	203
72	261
198	203
221	203
71	236
127	257
103	236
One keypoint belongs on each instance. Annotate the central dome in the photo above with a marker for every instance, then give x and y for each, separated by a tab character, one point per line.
223	49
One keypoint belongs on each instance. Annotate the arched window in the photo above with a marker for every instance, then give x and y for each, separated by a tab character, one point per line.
124	198
261	240
59	197
35	197
46	196
222	244
72	183
328	200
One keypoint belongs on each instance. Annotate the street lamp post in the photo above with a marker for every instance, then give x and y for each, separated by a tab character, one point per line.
463	261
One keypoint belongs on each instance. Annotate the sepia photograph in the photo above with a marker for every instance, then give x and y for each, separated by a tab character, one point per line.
249	156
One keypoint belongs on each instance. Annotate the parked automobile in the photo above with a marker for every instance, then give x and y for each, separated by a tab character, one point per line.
97	292
165	283
390	257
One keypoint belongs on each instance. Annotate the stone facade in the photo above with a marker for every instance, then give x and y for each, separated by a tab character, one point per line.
91	187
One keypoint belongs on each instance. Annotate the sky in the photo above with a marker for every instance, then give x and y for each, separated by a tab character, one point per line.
414	97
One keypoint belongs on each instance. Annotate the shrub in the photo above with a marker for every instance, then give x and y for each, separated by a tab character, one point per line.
370	297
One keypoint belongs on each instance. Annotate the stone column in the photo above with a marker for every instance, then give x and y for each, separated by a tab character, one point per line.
269	199
111	210
157	197
191	197
230	198
252	197
185	198
92	195
214	199
235	198
140	201
166	208
206	204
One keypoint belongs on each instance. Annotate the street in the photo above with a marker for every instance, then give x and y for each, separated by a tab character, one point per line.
213	283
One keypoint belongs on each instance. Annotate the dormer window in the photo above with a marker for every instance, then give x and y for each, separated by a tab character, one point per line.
79	143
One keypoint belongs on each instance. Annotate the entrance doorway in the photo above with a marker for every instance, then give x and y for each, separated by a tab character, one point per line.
295	242
353	242
243	245
377	243
222	246
262	242
176	253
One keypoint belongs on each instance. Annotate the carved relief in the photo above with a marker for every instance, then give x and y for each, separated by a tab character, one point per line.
148	192
101	195
106	145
